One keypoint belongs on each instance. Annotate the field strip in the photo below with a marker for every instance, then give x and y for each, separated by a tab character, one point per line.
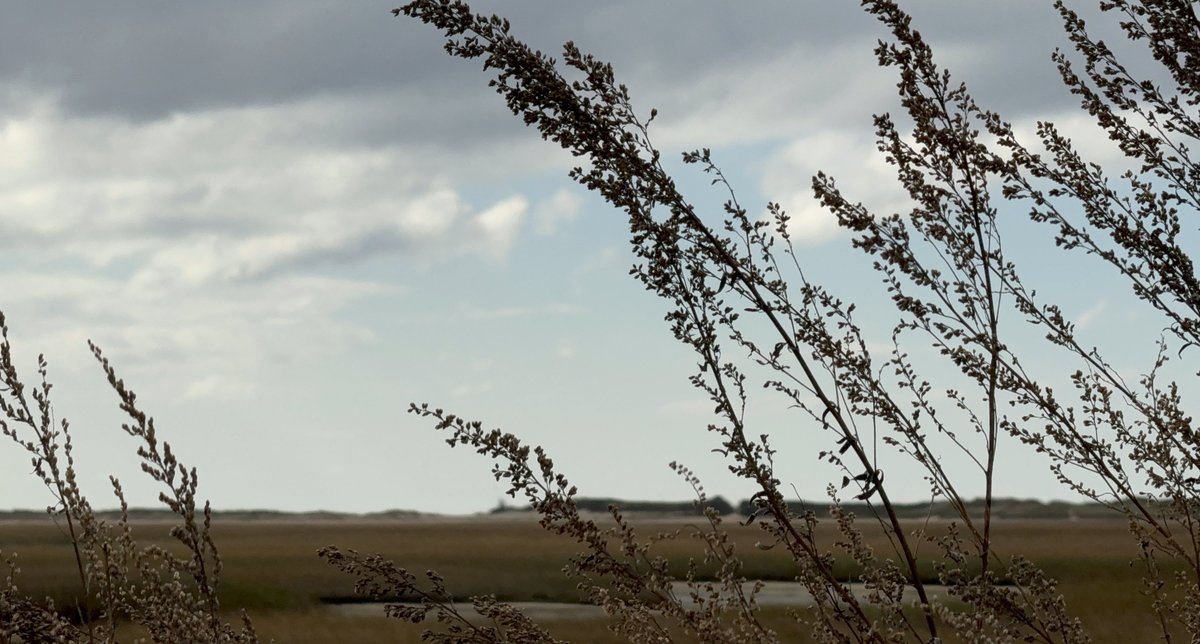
773	593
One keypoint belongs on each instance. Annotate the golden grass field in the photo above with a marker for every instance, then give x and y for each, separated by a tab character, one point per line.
271	569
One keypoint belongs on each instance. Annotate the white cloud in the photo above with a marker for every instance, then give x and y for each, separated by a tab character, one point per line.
1089	141
471	390
852	160
231	193
225	332
499	224
431	216
194	246
219	388
773	97
560	208
1085	319
424	223
566	351
472	312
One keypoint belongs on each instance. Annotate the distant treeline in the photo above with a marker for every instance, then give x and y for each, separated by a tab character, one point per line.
156	514
674	508
1001	508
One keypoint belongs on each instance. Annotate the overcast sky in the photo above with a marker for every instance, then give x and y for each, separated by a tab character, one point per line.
285	220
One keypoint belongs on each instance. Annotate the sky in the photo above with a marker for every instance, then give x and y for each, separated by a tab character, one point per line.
284	221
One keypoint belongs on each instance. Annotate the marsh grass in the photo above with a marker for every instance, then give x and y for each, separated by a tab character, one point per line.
271	571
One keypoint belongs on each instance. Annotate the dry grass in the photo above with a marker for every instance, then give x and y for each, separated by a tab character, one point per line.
272	570
950	283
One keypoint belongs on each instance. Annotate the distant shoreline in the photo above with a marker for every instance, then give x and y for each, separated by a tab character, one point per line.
938	511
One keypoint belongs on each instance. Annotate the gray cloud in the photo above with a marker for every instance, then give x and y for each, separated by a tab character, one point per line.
294	131
143	61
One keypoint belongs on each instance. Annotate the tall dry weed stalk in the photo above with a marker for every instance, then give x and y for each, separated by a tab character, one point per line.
736	284
173	598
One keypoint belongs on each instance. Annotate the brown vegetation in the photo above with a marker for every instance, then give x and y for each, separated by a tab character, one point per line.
736	286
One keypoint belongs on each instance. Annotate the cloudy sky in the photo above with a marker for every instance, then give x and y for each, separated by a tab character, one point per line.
284	221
